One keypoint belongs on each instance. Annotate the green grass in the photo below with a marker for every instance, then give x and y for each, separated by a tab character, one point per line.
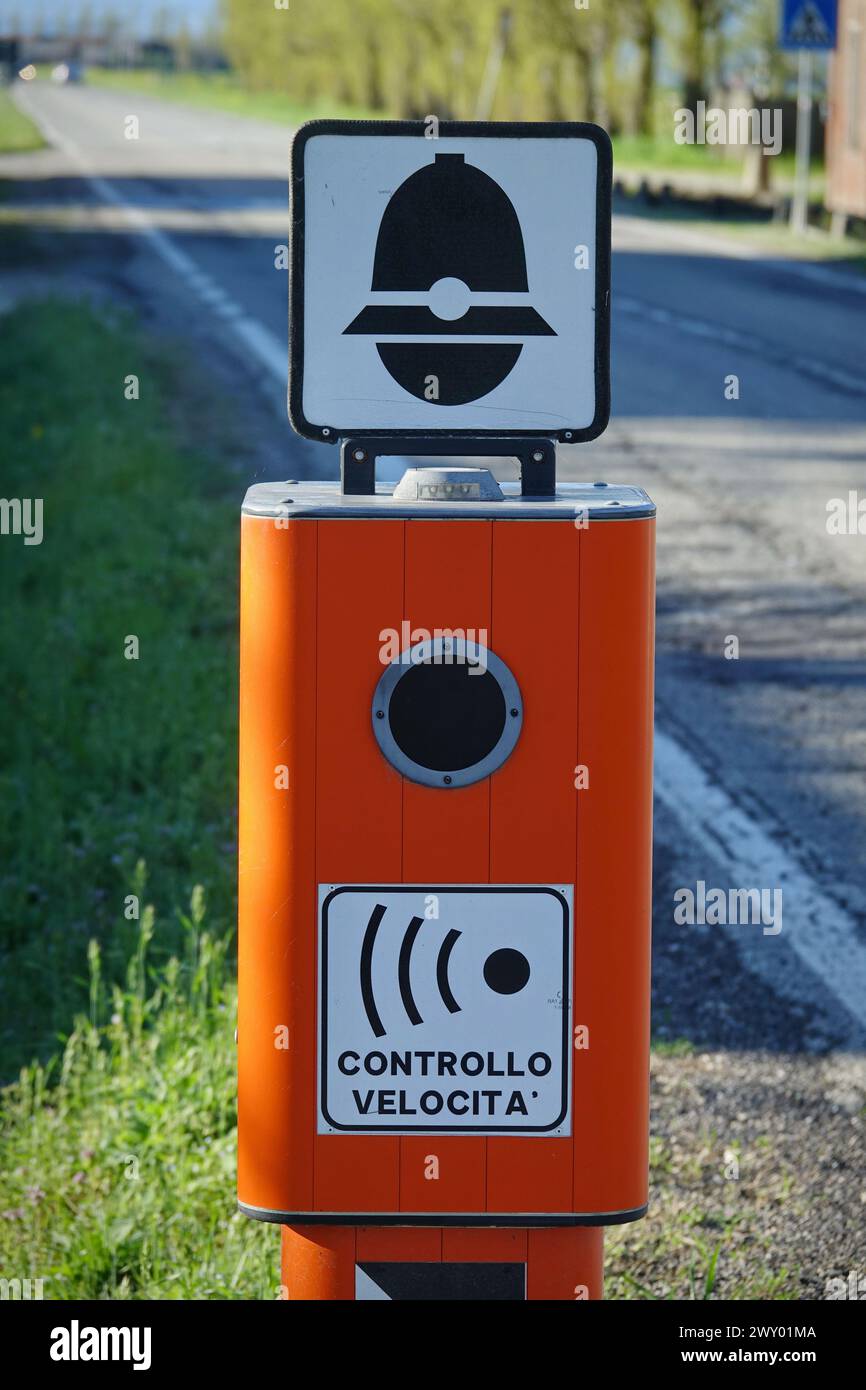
117	1148
673	1047
17	132
220	91
105	761
657	154
118	1157
653	152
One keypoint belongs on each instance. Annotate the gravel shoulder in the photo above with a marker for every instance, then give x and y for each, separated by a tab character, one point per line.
758	1189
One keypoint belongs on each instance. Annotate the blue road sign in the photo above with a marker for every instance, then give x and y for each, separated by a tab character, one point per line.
808	24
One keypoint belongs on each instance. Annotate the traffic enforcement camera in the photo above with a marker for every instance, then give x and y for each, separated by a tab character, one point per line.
445	835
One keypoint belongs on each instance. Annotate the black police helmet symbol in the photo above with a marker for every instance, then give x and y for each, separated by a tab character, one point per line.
449	231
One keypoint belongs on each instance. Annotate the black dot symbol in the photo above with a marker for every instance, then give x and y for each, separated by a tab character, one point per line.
506	971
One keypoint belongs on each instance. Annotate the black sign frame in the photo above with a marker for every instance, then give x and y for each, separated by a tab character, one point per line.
330	434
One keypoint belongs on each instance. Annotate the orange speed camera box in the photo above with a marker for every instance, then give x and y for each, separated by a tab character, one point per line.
445	838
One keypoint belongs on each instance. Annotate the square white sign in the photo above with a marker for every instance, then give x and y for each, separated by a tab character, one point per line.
444	1009
458	283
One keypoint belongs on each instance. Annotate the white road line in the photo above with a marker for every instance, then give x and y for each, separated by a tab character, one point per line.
735	338
821	933
255	338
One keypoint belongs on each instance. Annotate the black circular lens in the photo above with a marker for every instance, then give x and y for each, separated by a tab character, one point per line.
447	716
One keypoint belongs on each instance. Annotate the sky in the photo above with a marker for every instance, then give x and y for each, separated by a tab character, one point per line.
52	16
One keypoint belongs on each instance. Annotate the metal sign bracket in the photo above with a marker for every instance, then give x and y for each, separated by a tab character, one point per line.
536	457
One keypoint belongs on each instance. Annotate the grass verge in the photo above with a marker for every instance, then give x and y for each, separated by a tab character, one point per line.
117	1153
118	1157
17	132
117	743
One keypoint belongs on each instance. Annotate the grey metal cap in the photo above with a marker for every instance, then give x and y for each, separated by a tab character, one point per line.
315	499
448	485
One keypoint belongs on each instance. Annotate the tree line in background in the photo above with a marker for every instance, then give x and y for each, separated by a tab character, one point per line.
601	60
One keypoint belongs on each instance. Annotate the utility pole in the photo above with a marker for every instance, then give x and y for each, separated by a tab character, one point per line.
800	201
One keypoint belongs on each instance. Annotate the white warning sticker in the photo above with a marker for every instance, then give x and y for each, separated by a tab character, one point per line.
444	1009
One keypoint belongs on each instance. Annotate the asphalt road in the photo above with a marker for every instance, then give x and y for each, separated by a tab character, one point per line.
760	760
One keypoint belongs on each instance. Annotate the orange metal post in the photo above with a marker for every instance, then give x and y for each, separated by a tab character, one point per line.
318	1262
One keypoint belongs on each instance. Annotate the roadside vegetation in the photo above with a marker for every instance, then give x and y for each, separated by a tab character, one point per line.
118	1154
554	60
118	634
17	132
116	832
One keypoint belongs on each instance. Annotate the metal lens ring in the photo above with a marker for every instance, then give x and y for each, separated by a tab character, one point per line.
447	712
